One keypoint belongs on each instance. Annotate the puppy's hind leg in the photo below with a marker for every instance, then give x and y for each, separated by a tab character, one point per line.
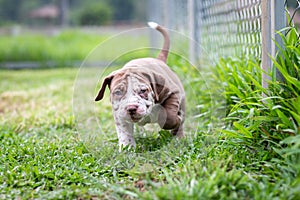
178	132
175	116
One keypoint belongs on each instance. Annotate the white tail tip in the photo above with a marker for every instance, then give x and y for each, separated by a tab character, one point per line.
153	25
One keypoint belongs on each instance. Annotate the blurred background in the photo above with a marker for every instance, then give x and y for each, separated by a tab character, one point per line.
54	32
71	12
60	33
43	13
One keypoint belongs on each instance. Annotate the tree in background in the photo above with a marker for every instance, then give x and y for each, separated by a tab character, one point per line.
112	11
9	12
123	11
77	12
95	14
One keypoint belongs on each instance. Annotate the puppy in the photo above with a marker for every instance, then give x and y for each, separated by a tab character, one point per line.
145	91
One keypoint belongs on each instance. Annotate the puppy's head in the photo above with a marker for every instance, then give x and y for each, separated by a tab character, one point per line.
131	94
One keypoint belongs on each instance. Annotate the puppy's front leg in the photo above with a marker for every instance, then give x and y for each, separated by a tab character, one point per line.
125	134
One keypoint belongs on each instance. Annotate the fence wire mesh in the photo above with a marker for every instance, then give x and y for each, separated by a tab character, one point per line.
222	27
229	27
293	11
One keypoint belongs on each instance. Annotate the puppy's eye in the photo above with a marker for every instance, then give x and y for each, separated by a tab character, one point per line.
118	92
143	91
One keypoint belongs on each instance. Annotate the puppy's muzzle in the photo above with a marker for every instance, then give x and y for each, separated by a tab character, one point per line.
131	109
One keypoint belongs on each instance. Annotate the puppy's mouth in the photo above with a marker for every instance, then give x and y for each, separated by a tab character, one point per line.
135	118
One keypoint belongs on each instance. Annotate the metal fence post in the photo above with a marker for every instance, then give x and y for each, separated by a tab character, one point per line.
166	13
191	27
154	14
273	19
279	23
267	43
64	8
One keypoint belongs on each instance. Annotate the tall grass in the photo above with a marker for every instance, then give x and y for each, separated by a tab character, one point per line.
255	112
265	118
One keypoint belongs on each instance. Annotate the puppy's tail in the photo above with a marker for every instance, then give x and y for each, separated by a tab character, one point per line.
163	55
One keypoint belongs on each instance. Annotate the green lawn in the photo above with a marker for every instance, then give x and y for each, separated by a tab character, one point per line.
69	46
42	155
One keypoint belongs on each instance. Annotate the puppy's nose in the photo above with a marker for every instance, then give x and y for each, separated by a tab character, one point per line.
131	109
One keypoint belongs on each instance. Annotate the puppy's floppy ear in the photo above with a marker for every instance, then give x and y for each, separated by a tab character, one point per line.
157	83
106	81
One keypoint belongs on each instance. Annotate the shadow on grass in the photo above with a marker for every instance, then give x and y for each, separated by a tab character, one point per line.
150	144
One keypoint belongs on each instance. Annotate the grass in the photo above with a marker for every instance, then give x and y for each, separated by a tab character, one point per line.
64	48
241	145
67	45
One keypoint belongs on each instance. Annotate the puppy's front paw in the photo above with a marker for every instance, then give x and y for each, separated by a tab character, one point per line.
126	139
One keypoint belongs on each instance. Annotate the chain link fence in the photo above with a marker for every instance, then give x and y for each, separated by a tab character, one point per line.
229	27
225	27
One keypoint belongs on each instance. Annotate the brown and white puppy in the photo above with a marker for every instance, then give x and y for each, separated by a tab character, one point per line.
144	91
